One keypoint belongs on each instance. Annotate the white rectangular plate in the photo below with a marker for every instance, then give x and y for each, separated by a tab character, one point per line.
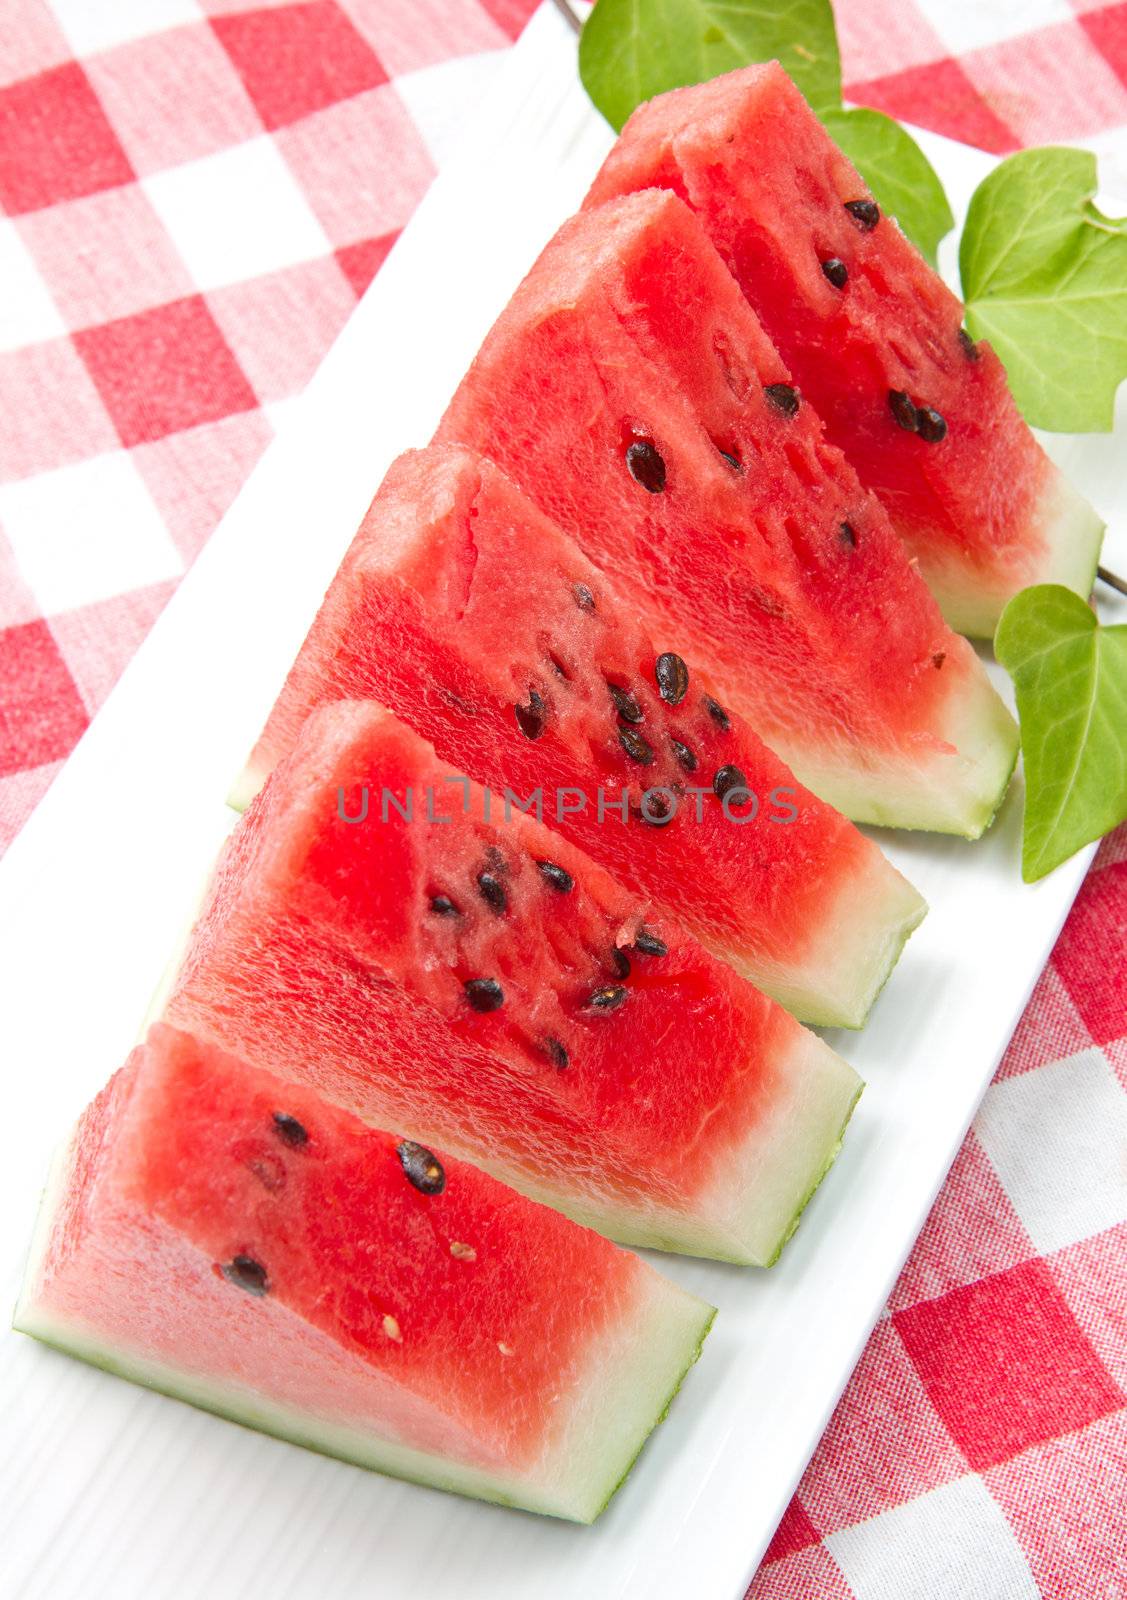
109	1490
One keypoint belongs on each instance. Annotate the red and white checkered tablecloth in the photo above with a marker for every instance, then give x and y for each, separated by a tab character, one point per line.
193	194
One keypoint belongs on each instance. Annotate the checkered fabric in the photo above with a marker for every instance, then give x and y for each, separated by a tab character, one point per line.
193	194
192	198
980	1449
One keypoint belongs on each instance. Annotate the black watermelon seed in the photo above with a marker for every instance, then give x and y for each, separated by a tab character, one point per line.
584	599
423	1169
685	757
484	994
625	704
938	659
493	892
727	779
557	1053
561	880
716	711
931	425
866	213
646	465
656	811
532	717
443	906
648	944
290	1130
836	271
637	748
847	535
733	461
672	678
247	1273
904	412
783	396
970	349
620	961
608	998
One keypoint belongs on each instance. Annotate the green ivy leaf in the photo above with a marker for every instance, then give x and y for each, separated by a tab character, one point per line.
1070	675
1045	280
901	177
631	50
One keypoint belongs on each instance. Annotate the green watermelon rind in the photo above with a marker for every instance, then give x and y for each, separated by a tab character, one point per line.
245	787
819	1179
924	797
670	1330
854	957
738	1221
706	1329
909	926
1072	532
990	810
109	1363
278	1423
149	1377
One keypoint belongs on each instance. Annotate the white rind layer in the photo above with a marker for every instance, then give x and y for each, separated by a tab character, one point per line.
853	951
1062	546
1073	531
633	1373
245	787
759	1196
762	1183
954	792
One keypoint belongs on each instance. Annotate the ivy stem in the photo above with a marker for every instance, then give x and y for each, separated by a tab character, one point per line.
1112	579
565	11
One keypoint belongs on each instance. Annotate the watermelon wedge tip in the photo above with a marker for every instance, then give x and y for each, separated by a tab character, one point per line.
872	335
235	1242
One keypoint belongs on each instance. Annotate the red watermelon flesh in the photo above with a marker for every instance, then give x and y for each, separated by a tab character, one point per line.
974	497
231	1239
483	986
630	391
477	621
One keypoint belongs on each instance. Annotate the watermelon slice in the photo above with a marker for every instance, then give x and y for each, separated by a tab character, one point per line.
630	391
484	987
872	335
481	624
230	1239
